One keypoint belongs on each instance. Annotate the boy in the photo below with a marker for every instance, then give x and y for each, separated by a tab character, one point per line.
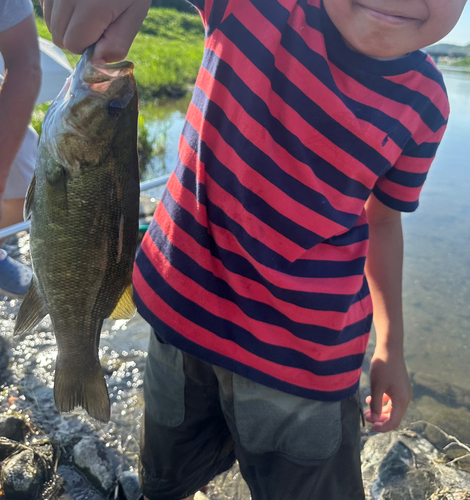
18	142
313	124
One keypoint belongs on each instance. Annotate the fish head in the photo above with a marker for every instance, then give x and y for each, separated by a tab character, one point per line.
86	117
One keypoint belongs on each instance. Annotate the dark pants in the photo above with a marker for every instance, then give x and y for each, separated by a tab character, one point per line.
199	418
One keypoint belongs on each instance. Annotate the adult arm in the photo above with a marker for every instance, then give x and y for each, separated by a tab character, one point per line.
111	24
20	51
384	268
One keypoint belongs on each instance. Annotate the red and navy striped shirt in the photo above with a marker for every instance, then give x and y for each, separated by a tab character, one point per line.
255	258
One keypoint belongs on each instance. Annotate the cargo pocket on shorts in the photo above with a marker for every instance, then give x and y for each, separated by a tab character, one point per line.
164	383
268	420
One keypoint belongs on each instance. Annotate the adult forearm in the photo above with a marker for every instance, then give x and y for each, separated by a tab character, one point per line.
17	98
384	269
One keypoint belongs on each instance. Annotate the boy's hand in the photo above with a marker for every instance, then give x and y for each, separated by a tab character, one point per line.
111	24
390	385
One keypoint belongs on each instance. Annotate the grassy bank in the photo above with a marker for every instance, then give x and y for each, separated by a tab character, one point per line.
167	52
463	62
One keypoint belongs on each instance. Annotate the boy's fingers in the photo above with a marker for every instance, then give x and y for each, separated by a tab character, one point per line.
376	403
83	31
393	421
117	39
60	17
46	10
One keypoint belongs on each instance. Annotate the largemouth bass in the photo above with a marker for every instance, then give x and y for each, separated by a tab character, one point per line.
84	207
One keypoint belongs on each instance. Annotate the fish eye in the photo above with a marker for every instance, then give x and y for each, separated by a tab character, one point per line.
115	108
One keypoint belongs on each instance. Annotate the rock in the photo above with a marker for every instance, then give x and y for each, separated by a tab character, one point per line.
403	465
15	427
129	485
449	494
91	458
25	470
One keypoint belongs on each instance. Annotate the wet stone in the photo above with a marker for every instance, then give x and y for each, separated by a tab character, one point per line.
129	488
403	465
91	457
450	494
25	471
14	427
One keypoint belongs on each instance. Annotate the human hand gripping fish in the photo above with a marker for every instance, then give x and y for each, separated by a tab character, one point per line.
84	207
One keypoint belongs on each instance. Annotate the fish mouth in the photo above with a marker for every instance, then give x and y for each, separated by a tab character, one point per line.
97	75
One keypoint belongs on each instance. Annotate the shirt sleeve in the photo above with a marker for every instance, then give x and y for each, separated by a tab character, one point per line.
212	12
399	188
12	12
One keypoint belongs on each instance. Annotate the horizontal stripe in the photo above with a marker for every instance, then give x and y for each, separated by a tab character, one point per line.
263	255
413	165
248	288
407	179
320	197
426	86
231	357
292	96
252	308
273	208
259	111
278	284
394	203
313	78
412	128
223	240
228	330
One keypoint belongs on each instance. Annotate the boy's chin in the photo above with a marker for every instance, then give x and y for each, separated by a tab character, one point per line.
382	51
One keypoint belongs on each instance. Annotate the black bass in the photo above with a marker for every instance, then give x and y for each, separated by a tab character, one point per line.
84	207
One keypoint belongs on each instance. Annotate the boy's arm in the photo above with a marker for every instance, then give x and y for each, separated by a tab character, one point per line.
111	24
20	51
384	266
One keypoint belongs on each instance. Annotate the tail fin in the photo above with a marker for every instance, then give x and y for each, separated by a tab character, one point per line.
83	386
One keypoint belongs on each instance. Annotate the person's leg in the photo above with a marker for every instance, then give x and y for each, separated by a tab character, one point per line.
185	441
12	213
15	277
290	448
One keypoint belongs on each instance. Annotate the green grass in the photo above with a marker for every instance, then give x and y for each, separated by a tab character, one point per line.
462	62
167	52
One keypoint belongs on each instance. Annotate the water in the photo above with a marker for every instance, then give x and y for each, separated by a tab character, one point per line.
436	309
437	256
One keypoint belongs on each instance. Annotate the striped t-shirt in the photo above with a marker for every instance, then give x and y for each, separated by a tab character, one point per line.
255	258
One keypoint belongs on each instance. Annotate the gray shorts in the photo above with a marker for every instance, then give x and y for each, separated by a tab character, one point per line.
199	418
22	170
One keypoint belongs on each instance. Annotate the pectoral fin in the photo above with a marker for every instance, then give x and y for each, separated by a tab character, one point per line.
125	308
28	206
32	310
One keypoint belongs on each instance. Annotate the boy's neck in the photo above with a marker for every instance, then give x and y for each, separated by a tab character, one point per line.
372	57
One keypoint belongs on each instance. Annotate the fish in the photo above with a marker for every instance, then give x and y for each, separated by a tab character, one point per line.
83	202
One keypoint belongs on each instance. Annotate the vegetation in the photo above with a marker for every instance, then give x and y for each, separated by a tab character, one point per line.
462	62
181	5
167	52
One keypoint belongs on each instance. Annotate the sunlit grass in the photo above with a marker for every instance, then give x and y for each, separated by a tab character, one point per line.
167	52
